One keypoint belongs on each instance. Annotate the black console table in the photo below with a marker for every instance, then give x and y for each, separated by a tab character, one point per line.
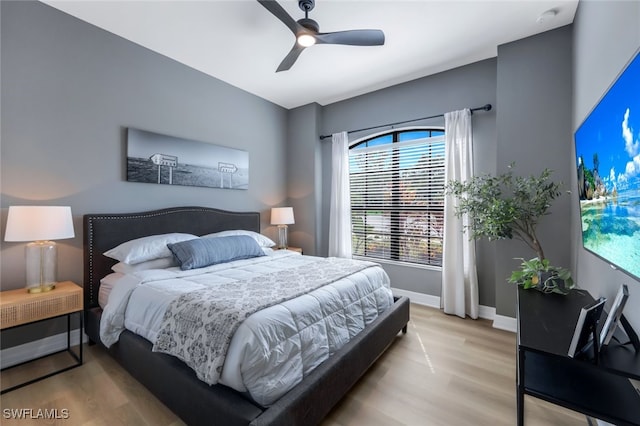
546	324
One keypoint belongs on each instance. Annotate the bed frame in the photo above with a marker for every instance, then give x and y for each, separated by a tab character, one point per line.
175	384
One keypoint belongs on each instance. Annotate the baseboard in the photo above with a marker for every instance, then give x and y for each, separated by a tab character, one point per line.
485	312
419	298
505	323
21	353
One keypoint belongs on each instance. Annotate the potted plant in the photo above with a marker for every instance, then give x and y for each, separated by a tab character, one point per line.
540	274
508	206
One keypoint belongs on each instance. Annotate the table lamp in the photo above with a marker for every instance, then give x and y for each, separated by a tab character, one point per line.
282	216
40	224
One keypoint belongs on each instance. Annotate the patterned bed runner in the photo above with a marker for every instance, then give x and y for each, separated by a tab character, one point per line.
197	327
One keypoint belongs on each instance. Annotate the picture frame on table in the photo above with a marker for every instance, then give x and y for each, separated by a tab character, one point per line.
613	319
585	330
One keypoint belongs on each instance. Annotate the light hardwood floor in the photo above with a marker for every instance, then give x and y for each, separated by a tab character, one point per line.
444	371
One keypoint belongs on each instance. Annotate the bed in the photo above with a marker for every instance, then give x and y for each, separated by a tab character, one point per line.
188	397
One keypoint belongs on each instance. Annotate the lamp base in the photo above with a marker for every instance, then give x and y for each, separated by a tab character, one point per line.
41	288
41	262
282	237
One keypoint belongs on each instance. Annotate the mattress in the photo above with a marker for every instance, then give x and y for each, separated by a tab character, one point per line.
273	349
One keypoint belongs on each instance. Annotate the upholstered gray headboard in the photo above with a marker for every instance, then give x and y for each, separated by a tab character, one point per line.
105	231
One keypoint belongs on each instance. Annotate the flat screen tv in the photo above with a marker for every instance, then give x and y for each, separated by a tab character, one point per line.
608	163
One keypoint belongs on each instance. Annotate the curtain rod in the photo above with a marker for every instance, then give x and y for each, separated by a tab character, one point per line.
486	107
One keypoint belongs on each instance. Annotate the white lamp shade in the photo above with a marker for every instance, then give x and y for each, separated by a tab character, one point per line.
282	216
39	223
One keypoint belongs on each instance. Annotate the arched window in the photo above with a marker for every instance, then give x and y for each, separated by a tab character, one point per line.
397	202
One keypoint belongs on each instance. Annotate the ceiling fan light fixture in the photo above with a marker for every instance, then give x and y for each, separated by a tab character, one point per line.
306	40
307	32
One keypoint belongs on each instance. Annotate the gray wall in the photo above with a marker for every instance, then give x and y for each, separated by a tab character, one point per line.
465	87
70	89
304	166
534	131
606	35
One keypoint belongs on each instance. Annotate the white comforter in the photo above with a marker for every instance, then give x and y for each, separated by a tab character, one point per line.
274	348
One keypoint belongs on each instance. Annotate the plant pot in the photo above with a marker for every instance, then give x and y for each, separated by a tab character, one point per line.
550	282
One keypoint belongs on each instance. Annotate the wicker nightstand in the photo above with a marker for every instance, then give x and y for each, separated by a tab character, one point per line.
297	249
18	307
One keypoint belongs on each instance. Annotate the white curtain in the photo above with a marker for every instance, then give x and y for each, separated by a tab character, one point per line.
459	276
340	213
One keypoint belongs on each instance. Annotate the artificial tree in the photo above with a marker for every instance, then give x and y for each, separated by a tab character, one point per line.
508	206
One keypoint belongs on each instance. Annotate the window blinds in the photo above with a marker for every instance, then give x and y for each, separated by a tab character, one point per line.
397	200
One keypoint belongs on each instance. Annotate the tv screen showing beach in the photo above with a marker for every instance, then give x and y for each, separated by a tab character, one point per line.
608	164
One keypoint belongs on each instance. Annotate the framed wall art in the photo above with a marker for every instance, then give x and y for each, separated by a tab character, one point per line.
169	160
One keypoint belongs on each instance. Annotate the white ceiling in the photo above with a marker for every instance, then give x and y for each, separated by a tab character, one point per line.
241	43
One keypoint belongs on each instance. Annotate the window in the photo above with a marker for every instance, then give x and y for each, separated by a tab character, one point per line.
397	196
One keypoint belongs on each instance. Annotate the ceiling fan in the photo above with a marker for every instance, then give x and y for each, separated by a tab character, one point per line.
307	32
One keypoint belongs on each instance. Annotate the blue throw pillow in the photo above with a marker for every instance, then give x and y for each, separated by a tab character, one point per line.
203	252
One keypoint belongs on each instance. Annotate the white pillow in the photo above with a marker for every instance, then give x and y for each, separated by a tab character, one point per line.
146	248
161	263
106	285
260	239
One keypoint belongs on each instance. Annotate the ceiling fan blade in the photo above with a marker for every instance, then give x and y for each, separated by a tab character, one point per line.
277	11
291	58
352	38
